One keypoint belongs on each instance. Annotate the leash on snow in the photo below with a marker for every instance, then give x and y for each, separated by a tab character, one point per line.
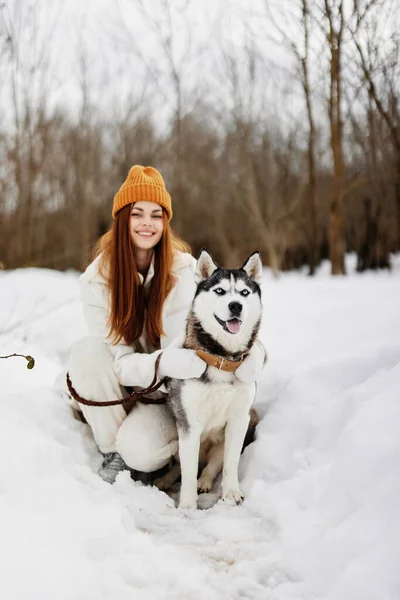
138	395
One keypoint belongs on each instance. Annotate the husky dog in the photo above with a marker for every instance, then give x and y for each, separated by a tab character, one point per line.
212	412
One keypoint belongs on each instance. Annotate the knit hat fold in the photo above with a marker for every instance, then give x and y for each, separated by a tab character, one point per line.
143	183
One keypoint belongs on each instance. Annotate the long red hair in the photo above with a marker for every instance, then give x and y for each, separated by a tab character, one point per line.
130	311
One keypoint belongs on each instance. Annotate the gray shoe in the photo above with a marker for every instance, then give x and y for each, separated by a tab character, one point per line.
111	466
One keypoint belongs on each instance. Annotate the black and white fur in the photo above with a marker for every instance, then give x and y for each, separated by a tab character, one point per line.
213	411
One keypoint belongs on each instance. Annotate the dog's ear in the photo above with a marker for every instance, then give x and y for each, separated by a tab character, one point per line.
253	267
205	266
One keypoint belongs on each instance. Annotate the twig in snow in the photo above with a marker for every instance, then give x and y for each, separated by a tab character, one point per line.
30	359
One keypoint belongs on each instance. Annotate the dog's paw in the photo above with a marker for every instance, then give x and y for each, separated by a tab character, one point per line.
233	496
204	484
184	505
163	483
188	501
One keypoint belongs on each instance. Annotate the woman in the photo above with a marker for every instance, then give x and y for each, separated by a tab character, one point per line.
136	295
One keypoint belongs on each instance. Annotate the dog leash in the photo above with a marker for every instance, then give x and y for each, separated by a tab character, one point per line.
134	395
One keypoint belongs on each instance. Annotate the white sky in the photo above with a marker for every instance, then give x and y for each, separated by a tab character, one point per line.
122	47
117	50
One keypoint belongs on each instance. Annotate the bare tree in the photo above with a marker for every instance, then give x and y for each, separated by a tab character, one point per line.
301	50
333	15
379	63
29	91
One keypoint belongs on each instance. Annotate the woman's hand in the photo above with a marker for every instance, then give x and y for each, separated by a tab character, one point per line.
181	363
252	366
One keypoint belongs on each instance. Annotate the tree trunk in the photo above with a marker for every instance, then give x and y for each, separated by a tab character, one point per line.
367	255
336	220
312	181
312	175
314	258
397	196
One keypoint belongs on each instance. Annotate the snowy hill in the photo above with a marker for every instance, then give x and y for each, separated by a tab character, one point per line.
321	515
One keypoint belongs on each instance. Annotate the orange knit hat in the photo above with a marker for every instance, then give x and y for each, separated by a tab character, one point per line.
143	183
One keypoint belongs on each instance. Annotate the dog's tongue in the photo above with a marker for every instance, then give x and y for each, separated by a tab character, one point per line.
233	325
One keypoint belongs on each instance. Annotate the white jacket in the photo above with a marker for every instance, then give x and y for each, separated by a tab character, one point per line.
132	367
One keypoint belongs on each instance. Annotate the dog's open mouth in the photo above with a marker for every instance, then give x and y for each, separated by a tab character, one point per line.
233	325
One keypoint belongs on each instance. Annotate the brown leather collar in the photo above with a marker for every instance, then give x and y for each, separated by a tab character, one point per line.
223	364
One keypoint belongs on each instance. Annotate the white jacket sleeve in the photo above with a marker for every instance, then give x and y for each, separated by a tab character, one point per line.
131	368
95	308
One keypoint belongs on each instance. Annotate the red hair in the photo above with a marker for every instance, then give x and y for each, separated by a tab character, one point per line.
130	310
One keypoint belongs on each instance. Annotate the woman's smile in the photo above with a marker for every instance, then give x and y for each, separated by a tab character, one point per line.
146	233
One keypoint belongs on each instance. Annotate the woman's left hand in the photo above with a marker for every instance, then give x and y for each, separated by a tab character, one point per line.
252	366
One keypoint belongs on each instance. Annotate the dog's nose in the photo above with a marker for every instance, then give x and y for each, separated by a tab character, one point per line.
235	308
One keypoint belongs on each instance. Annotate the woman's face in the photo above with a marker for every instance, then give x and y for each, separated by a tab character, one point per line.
146	224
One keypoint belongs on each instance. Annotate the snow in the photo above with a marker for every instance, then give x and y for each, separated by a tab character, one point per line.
320	519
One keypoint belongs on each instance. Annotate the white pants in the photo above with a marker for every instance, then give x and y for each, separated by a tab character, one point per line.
146	438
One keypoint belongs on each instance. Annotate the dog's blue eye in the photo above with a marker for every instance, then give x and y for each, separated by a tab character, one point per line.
244	293
219	291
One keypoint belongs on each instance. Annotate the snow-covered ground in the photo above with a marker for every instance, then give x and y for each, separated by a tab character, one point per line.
321	516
